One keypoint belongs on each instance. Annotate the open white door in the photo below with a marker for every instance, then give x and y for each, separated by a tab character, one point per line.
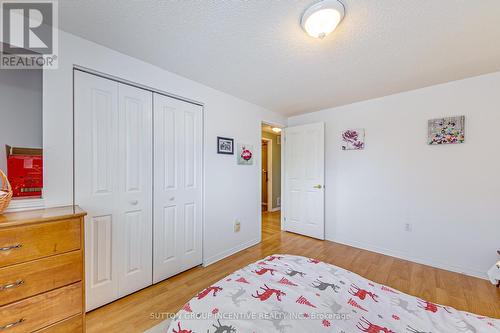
304	209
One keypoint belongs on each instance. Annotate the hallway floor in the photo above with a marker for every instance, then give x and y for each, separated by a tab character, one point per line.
271	224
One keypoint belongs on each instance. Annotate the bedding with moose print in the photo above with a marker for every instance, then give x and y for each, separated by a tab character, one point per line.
285	293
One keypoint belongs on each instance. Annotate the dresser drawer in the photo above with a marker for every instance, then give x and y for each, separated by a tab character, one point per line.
34	241
38	276
43	310
71	325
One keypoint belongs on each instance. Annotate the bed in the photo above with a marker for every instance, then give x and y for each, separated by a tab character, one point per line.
285	293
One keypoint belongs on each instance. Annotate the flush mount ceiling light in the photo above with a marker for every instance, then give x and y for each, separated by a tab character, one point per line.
276	129
322	18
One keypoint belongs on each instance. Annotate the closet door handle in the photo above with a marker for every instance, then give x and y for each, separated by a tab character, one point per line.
134	202
12	247
12	285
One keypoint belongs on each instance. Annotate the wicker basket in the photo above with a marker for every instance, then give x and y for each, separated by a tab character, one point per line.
5	192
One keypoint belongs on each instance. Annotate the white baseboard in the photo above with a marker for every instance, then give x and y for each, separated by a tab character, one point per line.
230	252
275	209
406	256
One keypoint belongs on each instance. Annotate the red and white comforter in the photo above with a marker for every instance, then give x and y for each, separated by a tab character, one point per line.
284	293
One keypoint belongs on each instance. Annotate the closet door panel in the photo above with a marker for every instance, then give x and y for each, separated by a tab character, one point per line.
165	135
96	147
134	199
167	227
177	199
191	185
169	224
190	150
113	183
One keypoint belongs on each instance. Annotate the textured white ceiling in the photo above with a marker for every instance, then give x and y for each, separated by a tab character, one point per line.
257	51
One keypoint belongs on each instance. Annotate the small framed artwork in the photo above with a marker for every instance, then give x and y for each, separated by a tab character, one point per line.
446	131
225	146
245	154
353	139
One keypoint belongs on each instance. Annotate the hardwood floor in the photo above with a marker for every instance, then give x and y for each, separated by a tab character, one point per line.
271	225
136	313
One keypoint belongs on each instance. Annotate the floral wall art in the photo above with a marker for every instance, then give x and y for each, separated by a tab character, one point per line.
353	139
448	130
245	154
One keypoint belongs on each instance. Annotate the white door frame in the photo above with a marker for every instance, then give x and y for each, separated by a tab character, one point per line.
269	173
283	170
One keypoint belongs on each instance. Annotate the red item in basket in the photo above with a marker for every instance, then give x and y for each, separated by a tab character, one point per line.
25	171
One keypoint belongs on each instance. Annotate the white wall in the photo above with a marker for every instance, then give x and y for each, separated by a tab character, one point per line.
231	191
450	194
20	110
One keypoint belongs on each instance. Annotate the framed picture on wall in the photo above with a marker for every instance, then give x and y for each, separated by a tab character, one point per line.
225	146
446	130
245	154
353	139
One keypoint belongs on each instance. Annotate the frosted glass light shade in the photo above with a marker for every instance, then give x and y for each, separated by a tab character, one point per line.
322	18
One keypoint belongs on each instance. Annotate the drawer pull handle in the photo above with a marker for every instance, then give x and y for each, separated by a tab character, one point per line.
20	321
12	285
12	247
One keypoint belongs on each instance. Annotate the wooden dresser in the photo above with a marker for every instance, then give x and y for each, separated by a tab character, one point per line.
42	271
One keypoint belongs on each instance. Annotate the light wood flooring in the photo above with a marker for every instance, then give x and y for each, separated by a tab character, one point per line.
134	313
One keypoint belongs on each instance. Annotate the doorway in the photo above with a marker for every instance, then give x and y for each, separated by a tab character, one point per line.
270	179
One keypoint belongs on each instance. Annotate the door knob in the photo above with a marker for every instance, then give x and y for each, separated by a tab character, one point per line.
171	198
134	202
318	186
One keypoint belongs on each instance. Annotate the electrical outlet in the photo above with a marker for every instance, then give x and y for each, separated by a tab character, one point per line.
408	227
237	225
278	201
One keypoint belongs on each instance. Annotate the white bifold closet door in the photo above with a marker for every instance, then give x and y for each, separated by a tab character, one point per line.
177	186
113	183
